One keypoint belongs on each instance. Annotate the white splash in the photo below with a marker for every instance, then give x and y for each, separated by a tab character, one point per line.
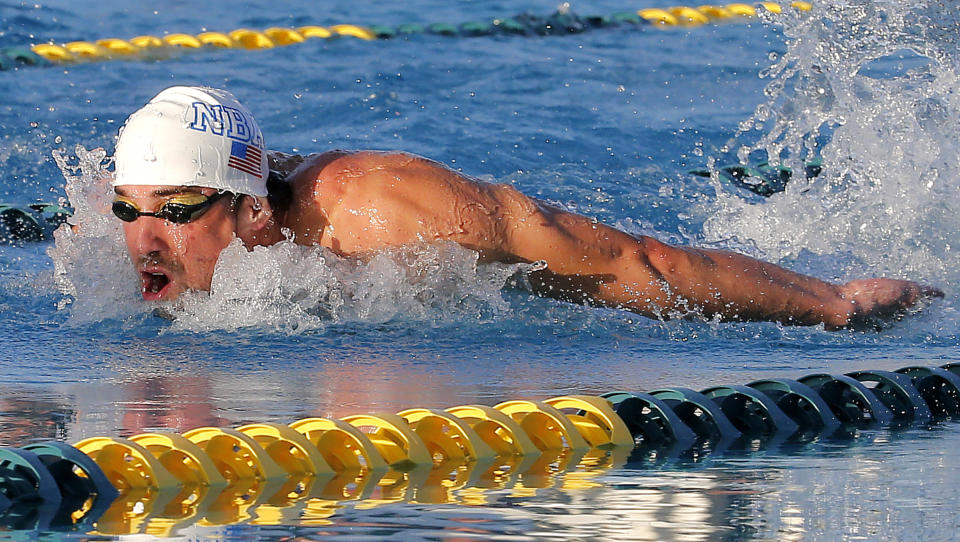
286	287
91	266
293	288
877	85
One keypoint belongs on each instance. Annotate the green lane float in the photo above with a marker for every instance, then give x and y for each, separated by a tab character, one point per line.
752	411
938	386
800	402
851	401
270	473
34	222
700	413
76	474
764	179
650	420
560	23
27	478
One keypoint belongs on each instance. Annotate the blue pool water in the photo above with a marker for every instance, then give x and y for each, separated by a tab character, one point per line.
605	123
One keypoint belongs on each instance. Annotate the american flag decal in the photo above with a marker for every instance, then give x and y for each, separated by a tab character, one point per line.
246	158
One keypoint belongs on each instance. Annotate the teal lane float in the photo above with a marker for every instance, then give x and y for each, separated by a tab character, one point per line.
561	23
268	473
33	222
763	179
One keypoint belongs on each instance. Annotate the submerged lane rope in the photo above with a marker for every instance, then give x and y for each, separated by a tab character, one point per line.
156	483
37	221
563	22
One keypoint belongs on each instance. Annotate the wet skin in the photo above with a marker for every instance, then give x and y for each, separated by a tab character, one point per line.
356	203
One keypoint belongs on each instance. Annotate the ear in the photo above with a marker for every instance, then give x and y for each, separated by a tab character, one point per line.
255	221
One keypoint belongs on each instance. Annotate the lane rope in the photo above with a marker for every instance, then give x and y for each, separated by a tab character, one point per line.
562	22
270	473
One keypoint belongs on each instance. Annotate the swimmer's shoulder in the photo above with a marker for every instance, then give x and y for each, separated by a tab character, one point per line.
361	169
336	164
398	175
328	178
361	163
338	177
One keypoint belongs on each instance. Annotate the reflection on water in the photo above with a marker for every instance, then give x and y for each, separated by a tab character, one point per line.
26	415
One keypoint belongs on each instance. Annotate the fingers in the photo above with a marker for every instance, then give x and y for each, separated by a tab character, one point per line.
914	293
881	301
930	291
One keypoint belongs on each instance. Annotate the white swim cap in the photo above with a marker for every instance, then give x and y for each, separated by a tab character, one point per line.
193	136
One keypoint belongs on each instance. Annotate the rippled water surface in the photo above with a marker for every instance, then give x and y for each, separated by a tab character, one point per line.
605	123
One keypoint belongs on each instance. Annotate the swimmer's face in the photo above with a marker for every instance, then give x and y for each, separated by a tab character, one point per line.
172	258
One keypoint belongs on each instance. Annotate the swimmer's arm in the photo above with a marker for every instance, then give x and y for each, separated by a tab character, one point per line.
592	263
737	287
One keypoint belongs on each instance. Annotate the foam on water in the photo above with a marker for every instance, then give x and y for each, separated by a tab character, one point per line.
284	287
292	288
873	88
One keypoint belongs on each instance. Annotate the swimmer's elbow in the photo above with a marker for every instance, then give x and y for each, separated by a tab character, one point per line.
660	259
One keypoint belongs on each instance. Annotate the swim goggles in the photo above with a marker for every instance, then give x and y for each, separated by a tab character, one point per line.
178	209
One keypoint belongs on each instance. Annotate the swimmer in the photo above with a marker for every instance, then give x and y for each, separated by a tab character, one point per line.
193	173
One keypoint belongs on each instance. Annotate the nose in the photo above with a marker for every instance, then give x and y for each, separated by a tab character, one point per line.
147	235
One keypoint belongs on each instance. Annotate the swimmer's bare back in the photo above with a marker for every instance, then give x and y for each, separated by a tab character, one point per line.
364	201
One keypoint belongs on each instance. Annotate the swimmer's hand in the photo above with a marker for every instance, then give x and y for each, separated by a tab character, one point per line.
871	303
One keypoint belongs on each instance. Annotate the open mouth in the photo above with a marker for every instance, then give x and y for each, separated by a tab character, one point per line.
154	284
